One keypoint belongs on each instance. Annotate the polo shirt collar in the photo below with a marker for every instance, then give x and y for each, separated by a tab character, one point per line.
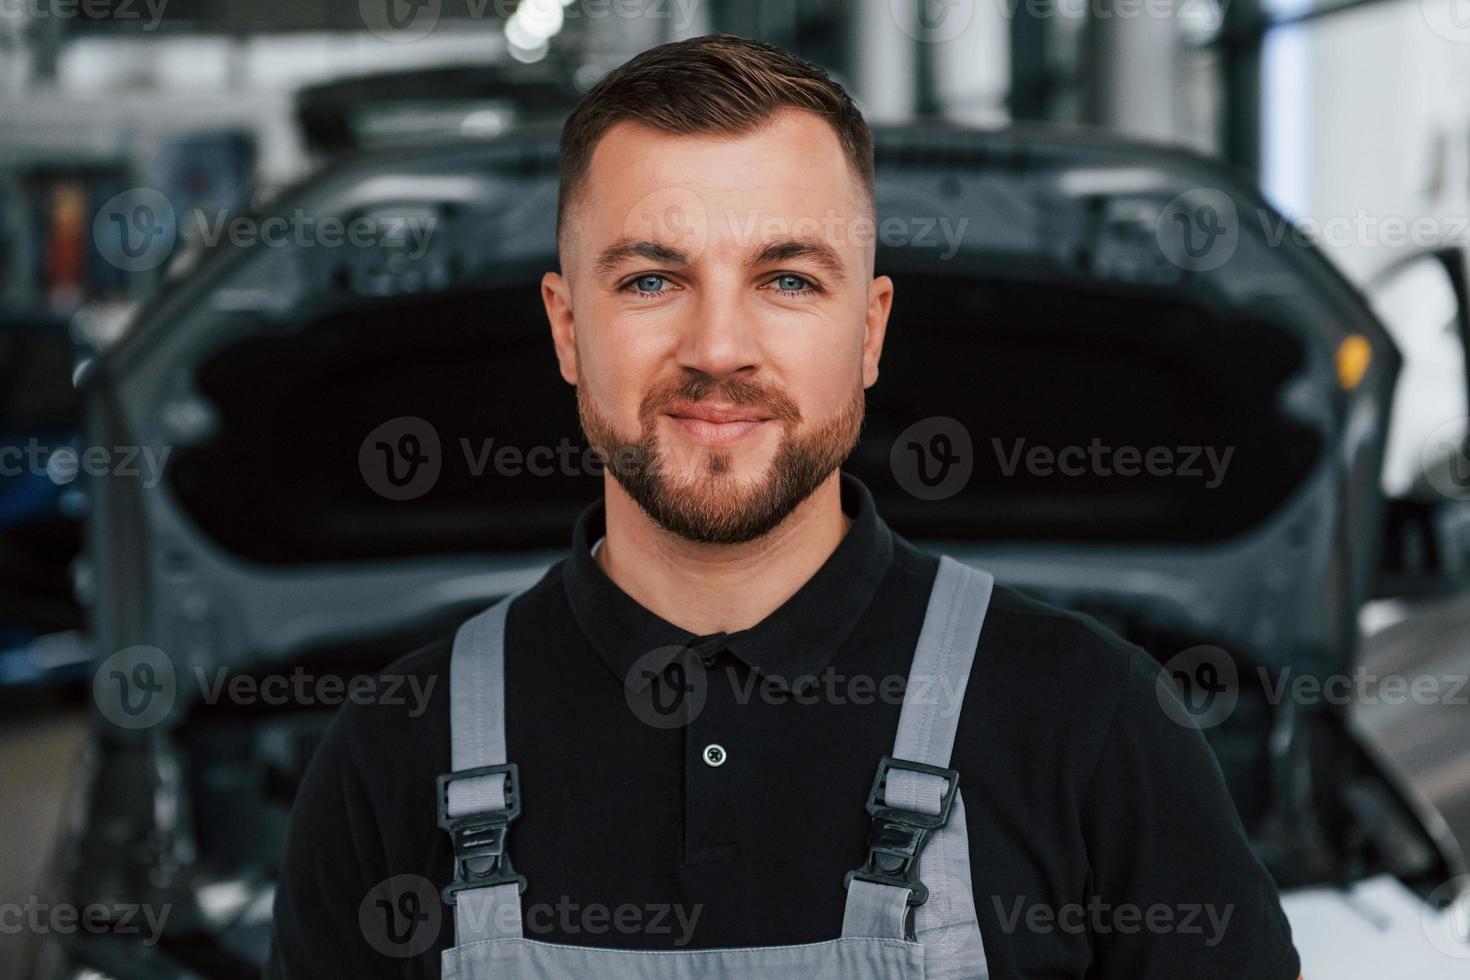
797	640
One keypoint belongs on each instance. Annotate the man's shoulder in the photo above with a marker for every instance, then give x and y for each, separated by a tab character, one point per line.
1032	616
1067	660
405	708
427	660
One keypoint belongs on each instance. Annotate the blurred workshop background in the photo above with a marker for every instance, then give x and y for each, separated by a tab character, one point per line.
177	375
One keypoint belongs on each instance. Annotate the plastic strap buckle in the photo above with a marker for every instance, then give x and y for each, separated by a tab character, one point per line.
480	860
898	836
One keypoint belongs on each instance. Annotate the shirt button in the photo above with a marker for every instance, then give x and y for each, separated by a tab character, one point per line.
714	755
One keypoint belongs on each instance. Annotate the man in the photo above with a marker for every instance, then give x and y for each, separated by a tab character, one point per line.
718	315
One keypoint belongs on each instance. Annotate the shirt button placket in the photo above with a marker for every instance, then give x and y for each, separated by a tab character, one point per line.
711	784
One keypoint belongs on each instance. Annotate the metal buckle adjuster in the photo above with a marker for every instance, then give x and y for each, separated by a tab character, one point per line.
898	836
479	838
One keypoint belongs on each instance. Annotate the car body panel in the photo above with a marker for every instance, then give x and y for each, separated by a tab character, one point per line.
1377	928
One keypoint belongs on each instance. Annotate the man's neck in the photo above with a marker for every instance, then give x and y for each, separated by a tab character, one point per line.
718	588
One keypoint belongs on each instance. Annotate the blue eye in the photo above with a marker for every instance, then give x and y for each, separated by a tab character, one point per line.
649	284
790	284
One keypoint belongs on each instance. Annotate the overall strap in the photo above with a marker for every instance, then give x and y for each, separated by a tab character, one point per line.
480	797
915	800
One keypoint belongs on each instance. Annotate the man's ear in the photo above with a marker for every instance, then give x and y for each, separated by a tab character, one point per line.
880	301
556	295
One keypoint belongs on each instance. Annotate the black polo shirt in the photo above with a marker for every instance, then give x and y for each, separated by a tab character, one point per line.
1102	840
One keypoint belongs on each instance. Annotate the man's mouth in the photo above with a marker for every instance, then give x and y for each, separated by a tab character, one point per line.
715	424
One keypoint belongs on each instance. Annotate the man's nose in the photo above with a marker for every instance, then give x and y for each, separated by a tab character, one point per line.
721	338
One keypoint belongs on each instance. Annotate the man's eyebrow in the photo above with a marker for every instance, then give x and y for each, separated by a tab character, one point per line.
786	249
626	248
768	253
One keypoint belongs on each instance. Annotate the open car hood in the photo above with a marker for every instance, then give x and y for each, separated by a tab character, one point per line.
1045	298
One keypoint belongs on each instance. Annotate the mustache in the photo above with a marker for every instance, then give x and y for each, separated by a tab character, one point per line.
748	392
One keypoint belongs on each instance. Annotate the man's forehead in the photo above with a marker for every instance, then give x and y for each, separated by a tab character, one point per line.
789	178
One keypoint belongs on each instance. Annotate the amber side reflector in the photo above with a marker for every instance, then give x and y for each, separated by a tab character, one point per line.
1354	355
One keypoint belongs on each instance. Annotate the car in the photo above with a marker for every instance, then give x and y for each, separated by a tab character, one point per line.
1057	290
1420	606
42	644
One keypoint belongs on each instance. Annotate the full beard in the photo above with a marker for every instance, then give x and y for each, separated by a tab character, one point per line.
713	507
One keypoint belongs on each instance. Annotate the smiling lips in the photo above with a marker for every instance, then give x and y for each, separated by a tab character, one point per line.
716	425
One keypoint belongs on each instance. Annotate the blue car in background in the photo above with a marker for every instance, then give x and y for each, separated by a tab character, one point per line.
41	503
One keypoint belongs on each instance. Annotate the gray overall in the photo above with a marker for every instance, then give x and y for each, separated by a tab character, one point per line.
915	804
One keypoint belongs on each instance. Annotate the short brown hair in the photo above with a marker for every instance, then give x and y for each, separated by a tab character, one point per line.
718	83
